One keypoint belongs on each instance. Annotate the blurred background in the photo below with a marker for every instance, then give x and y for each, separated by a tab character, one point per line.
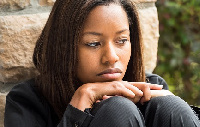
179	47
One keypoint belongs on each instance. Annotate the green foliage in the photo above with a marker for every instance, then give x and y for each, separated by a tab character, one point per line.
179	47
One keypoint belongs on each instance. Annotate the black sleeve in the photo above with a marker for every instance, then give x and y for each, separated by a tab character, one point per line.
74	117
156	79
25	109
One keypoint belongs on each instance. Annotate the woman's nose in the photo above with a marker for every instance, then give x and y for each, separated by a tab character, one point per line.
110	55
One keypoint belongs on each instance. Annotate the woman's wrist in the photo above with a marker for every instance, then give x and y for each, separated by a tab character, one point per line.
81	100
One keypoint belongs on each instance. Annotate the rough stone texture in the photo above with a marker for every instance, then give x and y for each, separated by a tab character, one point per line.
18	35
2	106
150	33
13	4
145	0
46	2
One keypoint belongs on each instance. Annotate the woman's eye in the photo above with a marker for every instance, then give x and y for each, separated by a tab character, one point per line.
93	44
122	41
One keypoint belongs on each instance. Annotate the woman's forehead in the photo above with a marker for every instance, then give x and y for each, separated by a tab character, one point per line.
109	15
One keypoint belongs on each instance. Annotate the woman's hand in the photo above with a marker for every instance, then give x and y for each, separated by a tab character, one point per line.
156	93
153	90
146	88
90	93
87	94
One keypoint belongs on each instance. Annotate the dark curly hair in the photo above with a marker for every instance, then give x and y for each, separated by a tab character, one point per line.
55	53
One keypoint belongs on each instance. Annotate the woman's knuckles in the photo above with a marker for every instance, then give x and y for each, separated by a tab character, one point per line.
118	86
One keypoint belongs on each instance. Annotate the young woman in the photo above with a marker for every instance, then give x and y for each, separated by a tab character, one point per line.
90	60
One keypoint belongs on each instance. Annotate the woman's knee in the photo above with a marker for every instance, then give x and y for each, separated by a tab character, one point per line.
168	104
170	101
166	110
116	104
119	111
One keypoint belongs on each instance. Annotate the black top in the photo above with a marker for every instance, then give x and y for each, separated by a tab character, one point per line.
26	108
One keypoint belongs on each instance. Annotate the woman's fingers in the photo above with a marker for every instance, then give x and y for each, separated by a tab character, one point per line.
156	93
138	93
155	87
151	86
90	93
106	97
123	88
145	88
119	88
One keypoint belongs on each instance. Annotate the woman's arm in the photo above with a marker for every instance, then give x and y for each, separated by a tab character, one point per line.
74	117
87	94
26	108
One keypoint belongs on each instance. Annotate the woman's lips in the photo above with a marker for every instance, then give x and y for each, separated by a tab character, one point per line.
112	73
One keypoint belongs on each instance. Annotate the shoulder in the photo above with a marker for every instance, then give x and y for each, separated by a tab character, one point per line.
23	91
23	103
156	79
24	96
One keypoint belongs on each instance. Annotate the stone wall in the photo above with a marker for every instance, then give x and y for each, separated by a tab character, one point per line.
21	22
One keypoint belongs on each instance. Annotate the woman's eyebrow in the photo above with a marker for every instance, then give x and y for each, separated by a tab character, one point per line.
121	31
93	33
100	34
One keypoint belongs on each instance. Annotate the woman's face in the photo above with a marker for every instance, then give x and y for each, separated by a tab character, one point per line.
105	49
